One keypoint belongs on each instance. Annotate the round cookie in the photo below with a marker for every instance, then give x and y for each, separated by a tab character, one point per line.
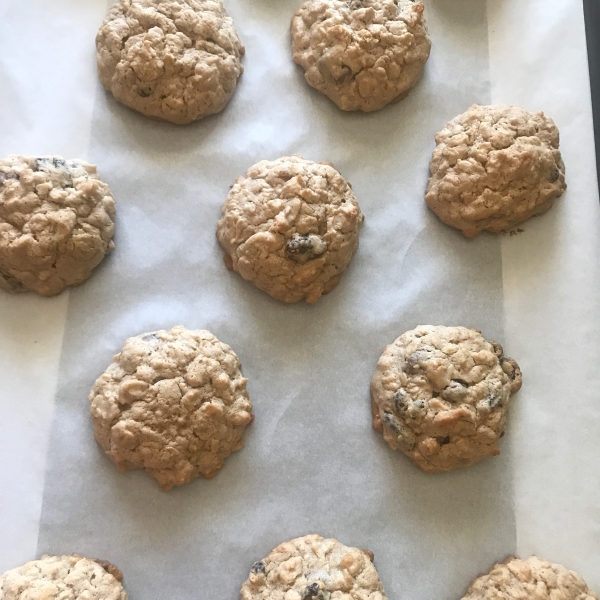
494	167
314	568
66	577
177	60
362	54
173	403
441	395
290	227
529	579
56	223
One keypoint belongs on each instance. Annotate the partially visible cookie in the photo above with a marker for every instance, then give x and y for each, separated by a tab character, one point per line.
441	396
362	54
177	60
56	223
495	167
173	403
62	577
314	568
290	226
530	579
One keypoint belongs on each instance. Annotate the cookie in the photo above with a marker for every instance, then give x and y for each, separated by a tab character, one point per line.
56	223
362	54
441	395
177	60
173	403
314	568
290	226
66	577
494	167
529	579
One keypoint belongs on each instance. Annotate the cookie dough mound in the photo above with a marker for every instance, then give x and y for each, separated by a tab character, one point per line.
441	395
362	54
494	167
314	568
173	403
529	579
177	60
56	223
65	577
291	227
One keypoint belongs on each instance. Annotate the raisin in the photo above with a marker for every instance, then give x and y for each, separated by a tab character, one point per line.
390	420
399	400
456	391
494	400
498	350
258	567
311	591
49	163
412	363
305	247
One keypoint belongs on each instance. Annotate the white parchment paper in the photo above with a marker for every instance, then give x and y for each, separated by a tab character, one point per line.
46	104
311	462
552	292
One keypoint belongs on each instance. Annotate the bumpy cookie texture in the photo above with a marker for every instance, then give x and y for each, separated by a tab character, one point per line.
362	54
62	577
495	167
177	60
529	579
56	223
314	568
291	227
441	395
173	403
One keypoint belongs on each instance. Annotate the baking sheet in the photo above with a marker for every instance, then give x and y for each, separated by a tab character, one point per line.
311	462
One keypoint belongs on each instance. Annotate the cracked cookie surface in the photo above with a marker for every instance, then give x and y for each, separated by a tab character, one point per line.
314	568
530	579
173	403
441	396
66	577
177	60
290	226
56	223
494	167
362	54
